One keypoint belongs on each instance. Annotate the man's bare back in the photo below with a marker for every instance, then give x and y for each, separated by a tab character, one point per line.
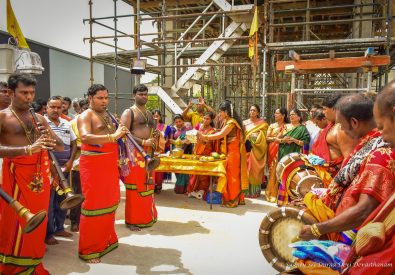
340	144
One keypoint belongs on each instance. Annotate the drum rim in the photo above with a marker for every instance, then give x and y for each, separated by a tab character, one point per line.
290	155
268	221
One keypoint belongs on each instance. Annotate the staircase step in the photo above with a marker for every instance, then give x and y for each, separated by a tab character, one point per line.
212	54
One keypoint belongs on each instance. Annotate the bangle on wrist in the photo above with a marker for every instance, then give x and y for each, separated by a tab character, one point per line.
143	142
111	137
315	231
29	150
25	148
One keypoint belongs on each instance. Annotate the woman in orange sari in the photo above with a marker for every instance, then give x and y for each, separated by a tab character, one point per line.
232	145
201	183
256	145
274	133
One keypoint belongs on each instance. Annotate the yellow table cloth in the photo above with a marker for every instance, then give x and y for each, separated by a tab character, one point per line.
215	168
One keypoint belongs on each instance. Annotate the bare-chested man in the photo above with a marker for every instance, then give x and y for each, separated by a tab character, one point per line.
99	176
140	210
25	177
333	144
5	100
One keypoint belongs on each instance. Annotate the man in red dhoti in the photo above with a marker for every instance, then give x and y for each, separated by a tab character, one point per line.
376	252
99	177
25	178
366	179
140	210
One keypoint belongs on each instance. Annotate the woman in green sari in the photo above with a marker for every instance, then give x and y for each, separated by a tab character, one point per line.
295	138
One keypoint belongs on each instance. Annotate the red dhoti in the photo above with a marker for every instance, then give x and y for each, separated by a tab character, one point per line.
24	252
100	187
140	207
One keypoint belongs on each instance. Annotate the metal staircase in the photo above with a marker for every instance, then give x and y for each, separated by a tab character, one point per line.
213	53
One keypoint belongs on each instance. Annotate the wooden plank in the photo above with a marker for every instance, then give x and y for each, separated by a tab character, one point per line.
347	64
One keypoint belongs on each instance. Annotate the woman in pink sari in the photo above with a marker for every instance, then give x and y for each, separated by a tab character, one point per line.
164	146
275	131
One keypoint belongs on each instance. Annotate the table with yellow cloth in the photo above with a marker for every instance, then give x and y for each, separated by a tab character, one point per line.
215	168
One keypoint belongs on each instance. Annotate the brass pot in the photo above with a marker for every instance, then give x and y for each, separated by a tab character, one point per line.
177	152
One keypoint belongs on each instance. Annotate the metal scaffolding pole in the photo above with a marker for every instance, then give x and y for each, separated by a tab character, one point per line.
264	63
205	65
196	40
193	15
138	21
115	58
91	79
388	46
325	22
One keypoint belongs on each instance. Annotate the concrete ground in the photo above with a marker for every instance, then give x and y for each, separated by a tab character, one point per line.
188	238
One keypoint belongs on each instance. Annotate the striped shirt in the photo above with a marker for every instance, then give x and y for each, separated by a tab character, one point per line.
66	134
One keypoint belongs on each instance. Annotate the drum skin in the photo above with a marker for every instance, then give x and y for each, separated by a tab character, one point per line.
299	174
278	229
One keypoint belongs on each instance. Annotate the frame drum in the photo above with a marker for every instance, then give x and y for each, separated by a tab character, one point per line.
278	229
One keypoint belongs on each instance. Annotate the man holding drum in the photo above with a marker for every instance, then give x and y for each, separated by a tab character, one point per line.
366	180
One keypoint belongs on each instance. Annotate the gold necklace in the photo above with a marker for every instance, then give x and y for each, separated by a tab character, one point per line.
31	138
107	121
145	116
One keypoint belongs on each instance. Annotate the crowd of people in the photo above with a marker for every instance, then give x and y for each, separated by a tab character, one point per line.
348	141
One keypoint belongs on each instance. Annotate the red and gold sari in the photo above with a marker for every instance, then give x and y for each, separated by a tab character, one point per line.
200	182
236	168
274	131
100	187
23	252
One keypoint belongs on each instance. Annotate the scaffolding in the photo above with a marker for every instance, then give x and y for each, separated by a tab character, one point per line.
179	51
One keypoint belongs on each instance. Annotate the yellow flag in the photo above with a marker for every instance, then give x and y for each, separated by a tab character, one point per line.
13	27
252	41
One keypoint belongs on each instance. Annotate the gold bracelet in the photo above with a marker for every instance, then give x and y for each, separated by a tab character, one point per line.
113	138
142	142
29	149
25	148
315	231
109	138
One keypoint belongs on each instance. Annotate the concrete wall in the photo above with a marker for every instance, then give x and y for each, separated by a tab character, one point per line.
70	74
125	87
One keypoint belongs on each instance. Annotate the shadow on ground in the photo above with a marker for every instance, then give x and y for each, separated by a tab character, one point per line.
167	198
147	260
165	228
